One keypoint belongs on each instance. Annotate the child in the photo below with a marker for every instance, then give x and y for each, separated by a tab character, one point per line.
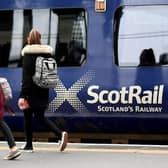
14	152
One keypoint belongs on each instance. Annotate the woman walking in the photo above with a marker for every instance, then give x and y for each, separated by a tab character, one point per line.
34	99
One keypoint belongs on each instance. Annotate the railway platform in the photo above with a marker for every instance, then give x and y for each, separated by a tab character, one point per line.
46	155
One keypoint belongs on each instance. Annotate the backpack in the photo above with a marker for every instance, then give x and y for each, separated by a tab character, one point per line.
45	75
6	93
6	88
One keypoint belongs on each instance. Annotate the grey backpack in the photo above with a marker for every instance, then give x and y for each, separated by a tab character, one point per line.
6	88
45	72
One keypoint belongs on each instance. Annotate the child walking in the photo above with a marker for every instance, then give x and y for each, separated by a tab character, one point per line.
13	150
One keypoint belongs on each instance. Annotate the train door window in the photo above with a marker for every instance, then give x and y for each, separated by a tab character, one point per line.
71	38
141	35
10	36
64	30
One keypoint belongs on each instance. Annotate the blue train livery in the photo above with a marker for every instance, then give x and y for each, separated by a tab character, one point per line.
112	58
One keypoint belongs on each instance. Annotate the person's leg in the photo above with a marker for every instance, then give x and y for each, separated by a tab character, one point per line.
7	133
28	127
40	116
14	152
63	136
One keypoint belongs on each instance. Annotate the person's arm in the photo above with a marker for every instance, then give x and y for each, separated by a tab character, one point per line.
28	72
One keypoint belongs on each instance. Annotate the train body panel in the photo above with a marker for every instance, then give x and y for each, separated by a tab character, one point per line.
106	93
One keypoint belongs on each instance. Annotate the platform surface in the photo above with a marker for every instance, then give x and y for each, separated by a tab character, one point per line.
78	155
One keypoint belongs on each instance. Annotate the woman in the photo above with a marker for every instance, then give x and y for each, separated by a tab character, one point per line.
14	152
34	99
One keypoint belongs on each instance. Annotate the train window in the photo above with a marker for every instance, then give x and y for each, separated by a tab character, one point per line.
141	35
64	30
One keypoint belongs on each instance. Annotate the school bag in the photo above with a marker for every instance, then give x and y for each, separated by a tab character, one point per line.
45	75
6	91
6	88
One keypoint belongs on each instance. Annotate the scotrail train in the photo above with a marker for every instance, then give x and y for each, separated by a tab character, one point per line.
99	45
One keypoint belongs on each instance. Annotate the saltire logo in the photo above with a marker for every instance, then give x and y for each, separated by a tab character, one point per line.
70	94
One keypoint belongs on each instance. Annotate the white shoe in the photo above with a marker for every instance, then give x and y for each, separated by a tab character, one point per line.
64	141
13	155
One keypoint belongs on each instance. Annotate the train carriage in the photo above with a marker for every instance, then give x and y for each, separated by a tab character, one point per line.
112	61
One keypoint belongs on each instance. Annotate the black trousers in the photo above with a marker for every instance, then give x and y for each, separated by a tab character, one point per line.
39	114
7	133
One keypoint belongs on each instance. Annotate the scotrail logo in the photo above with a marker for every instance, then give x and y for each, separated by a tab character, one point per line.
127	99
105	99
126	95
70	94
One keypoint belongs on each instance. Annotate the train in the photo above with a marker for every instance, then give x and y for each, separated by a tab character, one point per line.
98	45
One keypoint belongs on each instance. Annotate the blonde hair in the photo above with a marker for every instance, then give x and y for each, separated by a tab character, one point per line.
34	37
